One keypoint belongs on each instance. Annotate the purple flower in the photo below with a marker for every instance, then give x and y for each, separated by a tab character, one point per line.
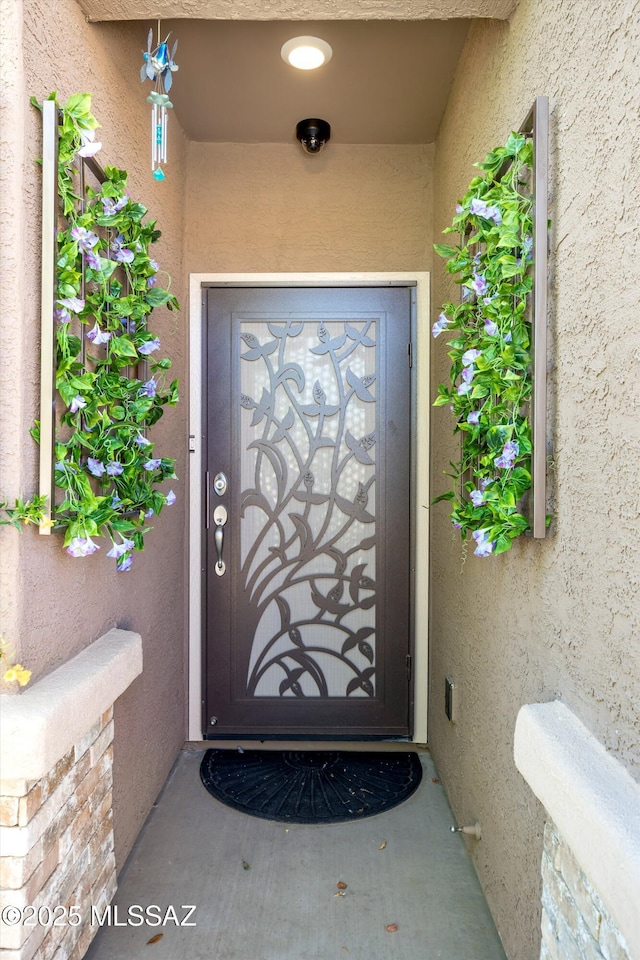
115	501
111	206
509	453
152	464
485	483
484	545
62	315
473	417
459	208
90	146
508	337
148	388
170	498
82	547
124	562
75	304
86	239
142	441
95	467
151	281
149	346
78	403
155	266
440	325
119	549
479	284
457	524
114	469
478	207
490	328
477	498
121	253
92	259
470	357
97	336
149	513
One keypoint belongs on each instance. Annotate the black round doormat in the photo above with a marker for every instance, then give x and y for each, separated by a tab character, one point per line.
310	786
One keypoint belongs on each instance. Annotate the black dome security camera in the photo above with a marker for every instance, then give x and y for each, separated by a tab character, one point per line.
313	134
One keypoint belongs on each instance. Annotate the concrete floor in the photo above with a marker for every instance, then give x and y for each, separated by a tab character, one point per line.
265	891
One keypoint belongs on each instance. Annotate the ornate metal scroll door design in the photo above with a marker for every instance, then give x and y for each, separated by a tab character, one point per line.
307	580
308	432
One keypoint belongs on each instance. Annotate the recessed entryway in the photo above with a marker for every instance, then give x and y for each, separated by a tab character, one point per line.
220	704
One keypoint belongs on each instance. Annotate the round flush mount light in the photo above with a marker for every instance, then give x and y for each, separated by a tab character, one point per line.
306	53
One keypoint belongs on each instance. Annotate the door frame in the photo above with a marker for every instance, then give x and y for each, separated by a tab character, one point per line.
420	422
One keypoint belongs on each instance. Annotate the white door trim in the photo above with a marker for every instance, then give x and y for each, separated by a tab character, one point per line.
421	280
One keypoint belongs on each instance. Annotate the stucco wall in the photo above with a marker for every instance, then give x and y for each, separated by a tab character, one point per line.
559	618
270	207
54	605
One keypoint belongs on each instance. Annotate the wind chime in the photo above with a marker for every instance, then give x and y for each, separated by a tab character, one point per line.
159	67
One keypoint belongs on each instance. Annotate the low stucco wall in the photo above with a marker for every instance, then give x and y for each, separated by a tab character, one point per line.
52	606
556	618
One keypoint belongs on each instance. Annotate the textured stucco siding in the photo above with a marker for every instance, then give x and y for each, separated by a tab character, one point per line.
296	9
53	605
270	207
556	618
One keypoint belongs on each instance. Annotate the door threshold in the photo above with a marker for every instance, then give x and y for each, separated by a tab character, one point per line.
361	745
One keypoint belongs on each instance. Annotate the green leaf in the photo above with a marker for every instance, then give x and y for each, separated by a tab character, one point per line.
123	347
156	297
443	250
79	105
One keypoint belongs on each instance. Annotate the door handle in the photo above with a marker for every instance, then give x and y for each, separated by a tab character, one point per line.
219	518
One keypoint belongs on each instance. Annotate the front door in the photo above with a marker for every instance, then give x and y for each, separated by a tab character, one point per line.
308	512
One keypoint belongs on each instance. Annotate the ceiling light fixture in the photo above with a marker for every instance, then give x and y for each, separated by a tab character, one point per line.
306	53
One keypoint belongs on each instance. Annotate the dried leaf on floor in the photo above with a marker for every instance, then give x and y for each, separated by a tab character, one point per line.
434	780
382	845
340	893
341	885
245	865
391	927
158	937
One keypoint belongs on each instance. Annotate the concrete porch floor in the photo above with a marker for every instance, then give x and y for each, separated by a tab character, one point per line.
282	906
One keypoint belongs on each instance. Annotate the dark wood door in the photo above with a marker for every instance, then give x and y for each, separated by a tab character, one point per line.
308	512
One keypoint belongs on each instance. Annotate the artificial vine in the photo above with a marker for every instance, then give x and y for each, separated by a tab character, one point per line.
106	289
490	381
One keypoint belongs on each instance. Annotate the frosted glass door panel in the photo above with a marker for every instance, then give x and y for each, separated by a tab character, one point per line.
308	428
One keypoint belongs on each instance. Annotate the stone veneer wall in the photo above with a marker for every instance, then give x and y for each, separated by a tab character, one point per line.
57	850
57	860
576	925
591	850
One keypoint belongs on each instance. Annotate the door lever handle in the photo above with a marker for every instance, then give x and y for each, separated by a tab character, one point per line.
219	539
219	518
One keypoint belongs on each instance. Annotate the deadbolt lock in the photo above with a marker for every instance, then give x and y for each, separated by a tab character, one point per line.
220	484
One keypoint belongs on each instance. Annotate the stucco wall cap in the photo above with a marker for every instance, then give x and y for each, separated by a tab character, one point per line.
592	799
42	724
295	9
